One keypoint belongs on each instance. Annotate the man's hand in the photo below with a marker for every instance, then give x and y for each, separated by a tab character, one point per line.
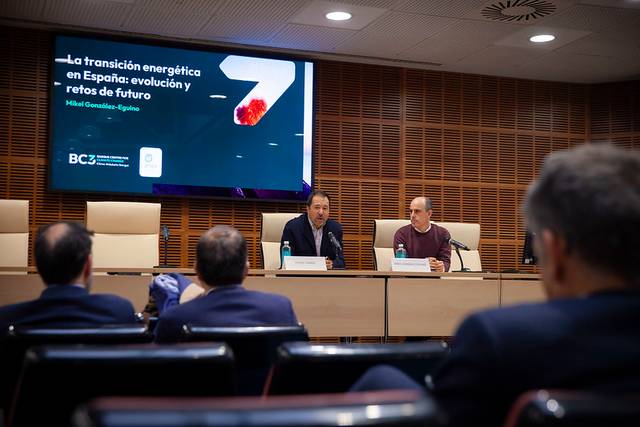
329	263
436	265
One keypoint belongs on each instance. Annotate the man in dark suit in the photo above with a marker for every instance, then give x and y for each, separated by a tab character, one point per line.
221	266
310	233
63	258
585	212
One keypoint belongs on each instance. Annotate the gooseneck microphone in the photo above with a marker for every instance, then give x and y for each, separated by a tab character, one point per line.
165	238
458	245
334	242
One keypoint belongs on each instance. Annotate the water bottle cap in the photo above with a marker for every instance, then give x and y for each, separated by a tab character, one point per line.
286	242
401	245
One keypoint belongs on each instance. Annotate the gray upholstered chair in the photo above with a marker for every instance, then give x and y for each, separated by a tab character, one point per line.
272	226
469	234
126	234
14	233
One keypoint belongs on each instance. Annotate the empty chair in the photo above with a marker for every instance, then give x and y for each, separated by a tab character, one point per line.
400	408
14	234
126	234
20	338
571	408
469	234
270	235
61	377
254	349
383	232
303	368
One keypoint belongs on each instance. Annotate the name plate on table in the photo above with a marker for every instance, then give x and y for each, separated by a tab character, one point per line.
310	263
410	265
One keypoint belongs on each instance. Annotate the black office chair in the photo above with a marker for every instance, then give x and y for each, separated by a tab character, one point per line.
55	379
303	368
374	409
254	349
565	408
17	339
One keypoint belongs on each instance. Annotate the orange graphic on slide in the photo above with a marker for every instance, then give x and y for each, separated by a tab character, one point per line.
252	113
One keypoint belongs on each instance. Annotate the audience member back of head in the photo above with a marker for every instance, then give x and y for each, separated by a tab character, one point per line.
63	257
221	266
585	212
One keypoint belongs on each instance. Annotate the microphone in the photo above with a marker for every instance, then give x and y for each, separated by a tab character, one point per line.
334	242
458	245
165	238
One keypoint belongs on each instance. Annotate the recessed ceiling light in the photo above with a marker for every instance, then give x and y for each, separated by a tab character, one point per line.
542	38
338	16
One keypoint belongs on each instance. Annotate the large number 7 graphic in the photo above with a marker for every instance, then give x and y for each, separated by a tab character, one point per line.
273	76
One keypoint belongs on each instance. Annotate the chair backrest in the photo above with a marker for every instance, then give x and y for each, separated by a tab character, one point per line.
383	232
303	368
126	234
469	234
254	349
270	235
19	338
14	233
400	408
60	377
571	408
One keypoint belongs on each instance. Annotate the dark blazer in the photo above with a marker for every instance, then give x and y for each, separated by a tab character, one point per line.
226	306
586	343
68	306
300	237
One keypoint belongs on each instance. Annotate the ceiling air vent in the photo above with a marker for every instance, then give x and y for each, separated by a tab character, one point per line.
518	10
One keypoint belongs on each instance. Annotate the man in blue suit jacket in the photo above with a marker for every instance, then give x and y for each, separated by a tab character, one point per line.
63	258
310	233
585	212
221	266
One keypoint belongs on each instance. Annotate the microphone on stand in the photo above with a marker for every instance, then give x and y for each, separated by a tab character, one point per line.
165	238
335	243
457	246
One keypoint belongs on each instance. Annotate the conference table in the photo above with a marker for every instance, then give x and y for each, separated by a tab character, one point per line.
347	303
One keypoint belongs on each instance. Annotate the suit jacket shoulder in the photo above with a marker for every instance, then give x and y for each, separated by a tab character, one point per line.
226	306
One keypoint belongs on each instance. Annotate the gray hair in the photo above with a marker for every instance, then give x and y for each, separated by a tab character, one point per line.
590	196
221	256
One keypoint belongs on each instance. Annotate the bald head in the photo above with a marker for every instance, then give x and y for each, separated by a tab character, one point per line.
221	256
62	250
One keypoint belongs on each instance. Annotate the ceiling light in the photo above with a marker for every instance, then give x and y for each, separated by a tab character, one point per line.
338	16
542	38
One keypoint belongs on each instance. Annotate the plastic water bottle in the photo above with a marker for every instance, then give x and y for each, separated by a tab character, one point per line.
286	249
401	252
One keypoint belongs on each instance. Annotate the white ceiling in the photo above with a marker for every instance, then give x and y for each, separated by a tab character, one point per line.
596	40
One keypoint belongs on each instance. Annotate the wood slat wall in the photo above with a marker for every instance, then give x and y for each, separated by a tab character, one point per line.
383	136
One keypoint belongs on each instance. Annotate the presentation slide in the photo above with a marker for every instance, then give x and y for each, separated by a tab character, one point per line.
146	119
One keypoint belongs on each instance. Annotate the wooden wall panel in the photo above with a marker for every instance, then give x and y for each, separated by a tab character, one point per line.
383	136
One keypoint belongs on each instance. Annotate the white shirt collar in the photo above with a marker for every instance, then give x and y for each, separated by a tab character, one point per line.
425	231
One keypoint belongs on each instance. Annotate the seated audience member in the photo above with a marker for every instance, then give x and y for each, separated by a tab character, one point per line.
308	234
63	258
585	212
422	238
221	266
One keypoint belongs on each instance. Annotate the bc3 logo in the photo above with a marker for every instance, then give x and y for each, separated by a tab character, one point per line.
83	159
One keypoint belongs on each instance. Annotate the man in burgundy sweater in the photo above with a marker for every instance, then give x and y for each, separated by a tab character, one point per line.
422	238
